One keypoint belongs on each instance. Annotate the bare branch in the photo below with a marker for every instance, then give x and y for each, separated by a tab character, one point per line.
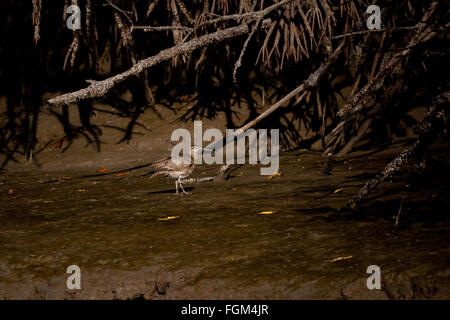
244	48
431	126
356	33
99	88
151	7
248	16
311	82
162	28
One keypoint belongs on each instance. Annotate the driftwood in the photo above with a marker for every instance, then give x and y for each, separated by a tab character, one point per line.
434	123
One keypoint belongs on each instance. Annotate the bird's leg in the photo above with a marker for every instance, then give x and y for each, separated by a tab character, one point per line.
176	186
179	181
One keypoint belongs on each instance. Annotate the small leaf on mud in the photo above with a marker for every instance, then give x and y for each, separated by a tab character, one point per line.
81	190
67	178
48	201
102	170
267	212
122	174
168	218
338	190
11	192
276	174
59	143
341	258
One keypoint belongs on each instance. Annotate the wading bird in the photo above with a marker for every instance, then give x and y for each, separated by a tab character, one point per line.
174	170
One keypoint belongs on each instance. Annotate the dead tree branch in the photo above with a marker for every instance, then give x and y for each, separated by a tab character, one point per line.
99	88
356	104
423	34
244	48
311	82
357	33
246	17
162	28
434	123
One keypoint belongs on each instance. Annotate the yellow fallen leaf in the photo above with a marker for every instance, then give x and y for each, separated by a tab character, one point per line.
341	258
67	178
168	218
122	174
266	212
276	174
338	190
81	190
102	170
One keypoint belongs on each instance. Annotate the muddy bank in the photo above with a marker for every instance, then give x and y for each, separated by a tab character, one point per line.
219	246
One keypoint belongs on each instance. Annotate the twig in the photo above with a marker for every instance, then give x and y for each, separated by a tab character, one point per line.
244	48
162	28
151	7
398	217
248	16
185	12
125	13
74	46
356	33
36	17
109	3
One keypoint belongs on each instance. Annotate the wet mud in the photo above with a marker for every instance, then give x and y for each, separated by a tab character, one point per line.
134	238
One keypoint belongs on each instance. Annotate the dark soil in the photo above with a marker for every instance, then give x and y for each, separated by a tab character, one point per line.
220	246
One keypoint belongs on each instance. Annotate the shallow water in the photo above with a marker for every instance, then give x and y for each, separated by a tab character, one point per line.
219	246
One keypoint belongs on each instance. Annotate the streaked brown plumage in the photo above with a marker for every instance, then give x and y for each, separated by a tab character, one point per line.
176	171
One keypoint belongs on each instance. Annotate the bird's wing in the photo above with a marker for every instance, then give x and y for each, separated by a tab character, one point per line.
160	164
168	165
